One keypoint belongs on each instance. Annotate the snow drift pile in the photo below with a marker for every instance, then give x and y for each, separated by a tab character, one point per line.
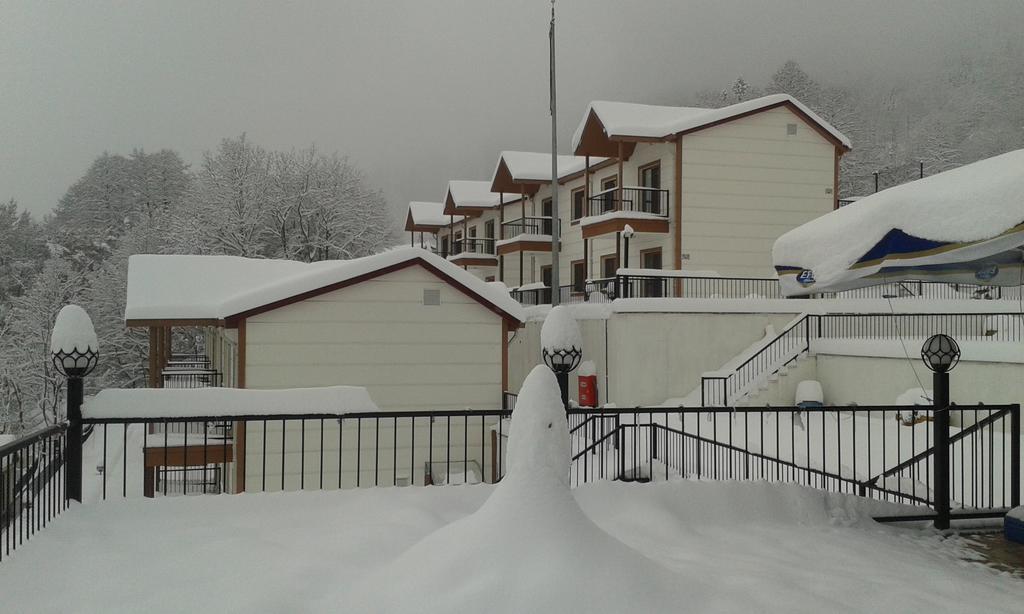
530	547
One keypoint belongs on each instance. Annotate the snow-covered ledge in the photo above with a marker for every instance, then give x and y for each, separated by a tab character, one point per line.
208	402
523	238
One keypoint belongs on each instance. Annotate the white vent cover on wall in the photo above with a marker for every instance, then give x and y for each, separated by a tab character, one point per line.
431	296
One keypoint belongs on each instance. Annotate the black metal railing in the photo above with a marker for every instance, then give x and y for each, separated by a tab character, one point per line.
473	246
936	290
885	453
192	378
633	199
193	360
654	285
32	487
797	339
527	226
300	451
594	289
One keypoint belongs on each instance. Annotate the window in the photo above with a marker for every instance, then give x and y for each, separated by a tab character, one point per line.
444	246
577	204
472	232
650	177
489	229
608	193
546	211
651	259
609	266
545	275
579	275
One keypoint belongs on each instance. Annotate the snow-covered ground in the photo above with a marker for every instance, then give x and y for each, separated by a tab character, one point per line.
770	548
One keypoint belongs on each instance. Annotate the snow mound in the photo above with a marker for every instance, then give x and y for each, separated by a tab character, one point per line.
72	331
560	331
530	547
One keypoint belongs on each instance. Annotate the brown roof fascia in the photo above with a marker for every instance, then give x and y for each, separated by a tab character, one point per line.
147	322
232	320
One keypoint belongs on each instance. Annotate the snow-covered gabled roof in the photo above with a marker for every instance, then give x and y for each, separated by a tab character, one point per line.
623	120
464	194
531	167
216	289
426	215
965	222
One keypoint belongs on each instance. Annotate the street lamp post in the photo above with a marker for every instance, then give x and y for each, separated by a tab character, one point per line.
940	354
561	347
627	234
75	351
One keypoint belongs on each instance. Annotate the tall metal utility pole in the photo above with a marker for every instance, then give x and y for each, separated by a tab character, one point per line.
555	230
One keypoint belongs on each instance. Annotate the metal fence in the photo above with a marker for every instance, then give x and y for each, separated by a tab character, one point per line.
798	338
536	225
32	488
635	199
654	285
885	453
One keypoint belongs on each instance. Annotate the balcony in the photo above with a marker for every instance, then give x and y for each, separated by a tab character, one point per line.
645	209
528	234
473	252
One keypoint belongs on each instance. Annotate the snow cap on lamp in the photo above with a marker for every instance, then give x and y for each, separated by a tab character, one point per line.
560	339
73	343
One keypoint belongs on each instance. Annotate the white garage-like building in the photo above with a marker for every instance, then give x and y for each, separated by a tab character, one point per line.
416	331
412	328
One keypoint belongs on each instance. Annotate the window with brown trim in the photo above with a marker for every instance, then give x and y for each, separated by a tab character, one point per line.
608	197
651	258
609	266
578	209
579	275
649	175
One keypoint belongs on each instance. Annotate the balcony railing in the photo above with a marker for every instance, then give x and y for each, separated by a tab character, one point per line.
526	226
473	246
634	199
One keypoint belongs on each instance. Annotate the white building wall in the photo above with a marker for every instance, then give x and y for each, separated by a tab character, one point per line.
646	358
879	381
745	183
380	335
409	356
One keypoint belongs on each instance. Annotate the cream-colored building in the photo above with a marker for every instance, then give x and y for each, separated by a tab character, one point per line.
704	190
415	330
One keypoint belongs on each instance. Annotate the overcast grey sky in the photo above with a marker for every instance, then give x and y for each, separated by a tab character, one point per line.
414	91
